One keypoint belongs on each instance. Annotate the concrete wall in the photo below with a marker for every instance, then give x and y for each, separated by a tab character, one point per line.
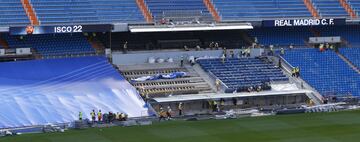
142	57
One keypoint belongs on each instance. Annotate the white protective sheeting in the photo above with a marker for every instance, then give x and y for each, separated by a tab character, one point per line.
58	97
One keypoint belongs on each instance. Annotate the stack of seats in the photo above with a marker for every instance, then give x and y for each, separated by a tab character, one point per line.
282	36
325	71
230	10
113	11
12	13
330	8
180	10
355	4
192	83
64	11
241	73
51	91
53	45
352	54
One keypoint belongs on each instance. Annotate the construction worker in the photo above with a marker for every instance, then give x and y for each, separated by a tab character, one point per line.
293	72
168	113
217	84
282	51
223	58
182	61
80	115
162	114
180	108
93	116
99	116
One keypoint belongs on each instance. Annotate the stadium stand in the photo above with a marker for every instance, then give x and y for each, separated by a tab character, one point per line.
349	34
241	73
260	9
12	13
191	83
282	36
86	11
330	8
53	45
175	10
352	54
40	92
325	71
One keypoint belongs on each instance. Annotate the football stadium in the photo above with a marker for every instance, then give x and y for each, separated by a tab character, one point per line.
179	70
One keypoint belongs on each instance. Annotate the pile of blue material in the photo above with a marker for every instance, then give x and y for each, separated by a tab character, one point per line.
161	76
54	91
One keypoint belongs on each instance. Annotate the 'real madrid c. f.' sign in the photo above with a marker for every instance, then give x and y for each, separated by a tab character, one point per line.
303	22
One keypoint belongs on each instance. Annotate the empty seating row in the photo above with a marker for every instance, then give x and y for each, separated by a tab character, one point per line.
325	71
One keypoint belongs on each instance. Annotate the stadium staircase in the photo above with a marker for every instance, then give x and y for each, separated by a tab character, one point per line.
30	12
309	5
348	9
145	11
212	10
192	83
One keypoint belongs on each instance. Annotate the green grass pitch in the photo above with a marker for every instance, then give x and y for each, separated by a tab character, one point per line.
315	127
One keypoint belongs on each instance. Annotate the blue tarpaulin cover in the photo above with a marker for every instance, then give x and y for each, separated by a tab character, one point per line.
40	92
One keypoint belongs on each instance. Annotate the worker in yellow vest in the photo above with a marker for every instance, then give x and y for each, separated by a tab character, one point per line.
80	115
293	72
99	116
93	116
